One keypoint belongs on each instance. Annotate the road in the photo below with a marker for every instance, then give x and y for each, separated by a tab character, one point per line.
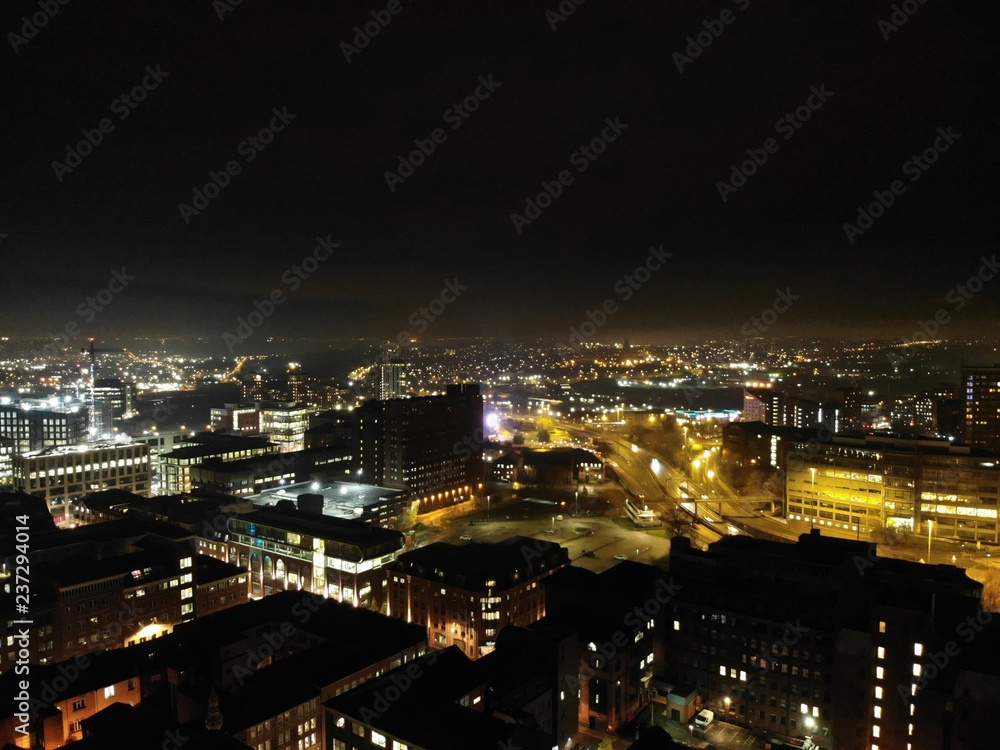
662	483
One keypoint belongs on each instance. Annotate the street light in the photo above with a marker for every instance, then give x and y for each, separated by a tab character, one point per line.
727	700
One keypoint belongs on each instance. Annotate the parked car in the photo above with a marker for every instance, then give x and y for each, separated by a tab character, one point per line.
621	557
465	538
705	717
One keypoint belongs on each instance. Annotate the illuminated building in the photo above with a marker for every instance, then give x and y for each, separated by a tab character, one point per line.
62	475
390	380
981	391
175	466
466	594
427	445
121	395
865	483
285	424
291	549
34	424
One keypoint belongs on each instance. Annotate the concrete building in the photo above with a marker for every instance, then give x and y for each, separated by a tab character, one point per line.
866	483
62	475
425	445
289	549
175	466
285	423
466	594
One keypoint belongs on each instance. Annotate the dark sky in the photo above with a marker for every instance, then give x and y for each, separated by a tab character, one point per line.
324	174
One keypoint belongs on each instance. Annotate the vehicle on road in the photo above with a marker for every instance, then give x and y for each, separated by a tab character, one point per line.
588	532
465	538
621	557
705	717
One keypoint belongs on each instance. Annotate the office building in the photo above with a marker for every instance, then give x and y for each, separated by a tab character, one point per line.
61	475
290	549
426	445
175	466
121	395
251	476
867	483
981	391
34	424
466	594
285	423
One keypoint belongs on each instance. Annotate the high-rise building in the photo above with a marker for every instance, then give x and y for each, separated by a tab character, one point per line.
981	391
34	424
390	380
121	395
427	445
285	424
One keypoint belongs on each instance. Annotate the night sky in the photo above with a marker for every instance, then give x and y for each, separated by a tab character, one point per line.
886	93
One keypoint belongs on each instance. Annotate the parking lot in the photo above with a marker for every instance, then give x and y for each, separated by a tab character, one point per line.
724	735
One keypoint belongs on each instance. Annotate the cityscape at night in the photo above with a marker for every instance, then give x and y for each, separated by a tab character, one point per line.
460	376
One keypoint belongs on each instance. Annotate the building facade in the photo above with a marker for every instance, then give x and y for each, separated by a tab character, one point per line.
465	595
61	475
868	483
426	445
981	393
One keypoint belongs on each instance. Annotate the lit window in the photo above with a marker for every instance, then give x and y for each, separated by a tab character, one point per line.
881	629
878	693
743	676
109	691
677	624
378	739
881	652
918	649
878	712
916	670
876	730
722	671
879	673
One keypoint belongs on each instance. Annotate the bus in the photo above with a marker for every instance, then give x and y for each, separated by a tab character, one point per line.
642	517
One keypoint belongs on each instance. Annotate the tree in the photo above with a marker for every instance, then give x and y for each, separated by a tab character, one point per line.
606	744
408	518
543	436
679	522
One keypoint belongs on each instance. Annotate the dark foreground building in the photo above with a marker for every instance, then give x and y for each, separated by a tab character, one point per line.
825	640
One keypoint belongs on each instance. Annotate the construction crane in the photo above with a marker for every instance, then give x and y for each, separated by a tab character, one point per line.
93	382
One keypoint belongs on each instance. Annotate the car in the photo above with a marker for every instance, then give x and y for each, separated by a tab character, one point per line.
705	717
465	538
621	557
588	532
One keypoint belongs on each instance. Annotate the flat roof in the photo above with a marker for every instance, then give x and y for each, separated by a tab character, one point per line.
340	499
